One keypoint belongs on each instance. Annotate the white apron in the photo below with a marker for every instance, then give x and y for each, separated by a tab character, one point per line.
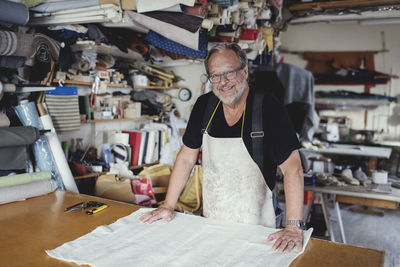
234	188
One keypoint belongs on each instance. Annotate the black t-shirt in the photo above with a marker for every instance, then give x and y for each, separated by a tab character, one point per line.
279	135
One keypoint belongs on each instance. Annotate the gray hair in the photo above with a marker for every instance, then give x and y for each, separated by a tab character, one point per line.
241	55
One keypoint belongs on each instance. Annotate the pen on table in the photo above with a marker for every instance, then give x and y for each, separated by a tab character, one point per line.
95	210
73	206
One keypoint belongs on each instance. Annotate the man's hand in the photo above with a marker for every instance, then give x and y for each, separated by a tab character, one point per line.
163	212
286	239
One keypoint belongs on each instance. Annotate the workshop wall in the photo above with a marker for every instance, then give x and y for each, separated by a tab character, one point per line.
351	37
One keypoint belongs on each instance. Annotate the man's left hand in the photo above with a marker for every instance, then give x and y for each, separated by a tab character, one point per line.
286	239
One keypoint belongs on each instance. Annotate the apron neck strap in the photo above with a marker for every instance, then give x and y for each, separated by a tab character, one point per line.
212	116
215	110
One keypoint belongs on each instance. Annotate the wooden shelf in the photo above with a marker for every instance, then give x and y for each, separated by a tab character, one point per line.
159	87
88	83
127	119
97	174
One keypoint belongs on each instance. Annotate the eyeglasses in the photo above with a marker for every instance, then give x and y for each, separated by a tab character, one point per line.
229	75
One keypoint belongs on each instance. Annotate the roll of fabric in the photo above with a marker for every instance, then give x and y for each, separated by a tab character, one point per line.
26	45
207	24
29	116
182	20
24	178
55	6
217	20
13	158
4	120
227	28
197	10
23	191
169	45
249	34
120	152
18	136
14	13
9	87
170	31
58	154
12	62
223	2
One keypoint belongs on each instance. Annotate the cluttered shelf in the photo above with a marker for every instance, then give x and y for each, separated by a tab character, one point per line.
343	99
72	82
154	117
321	5
97	174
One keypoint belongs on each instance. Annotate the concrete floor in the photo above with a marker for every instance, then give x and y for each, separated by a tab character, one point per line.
372	231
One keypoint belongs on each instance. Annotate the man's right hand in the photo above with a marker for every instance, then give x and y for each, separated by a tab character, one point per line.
163	212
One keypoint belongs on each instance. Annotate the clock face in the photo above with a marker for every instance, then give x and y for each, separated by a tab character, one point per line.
203	78
185	94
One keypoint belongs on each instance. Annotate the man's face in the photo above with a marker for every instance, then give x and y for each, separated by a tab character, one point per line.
229	87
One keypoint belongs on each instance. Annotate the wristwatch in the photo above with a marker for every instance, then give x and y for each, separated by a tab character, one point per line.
298	223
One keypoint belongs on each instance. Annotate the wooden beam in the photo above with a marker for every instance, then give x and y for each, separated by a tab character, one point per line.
341	4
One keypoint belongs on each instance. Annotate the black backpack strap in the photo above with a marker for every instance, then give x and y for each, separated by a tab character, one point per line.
257	131
211	103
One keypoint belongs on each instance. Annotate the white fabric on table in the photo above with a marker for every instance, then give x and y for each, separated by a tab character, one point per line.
187	240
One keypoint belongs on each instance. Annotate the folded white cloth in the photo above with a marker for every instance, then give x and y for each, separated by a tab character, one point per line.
187	240
152	5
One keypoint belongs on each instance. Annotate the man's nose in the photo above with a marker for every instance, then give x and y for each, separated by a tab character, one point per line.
224	79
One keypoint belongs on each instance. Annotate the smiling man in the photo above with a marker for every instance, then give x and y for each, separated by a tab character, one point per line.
235	189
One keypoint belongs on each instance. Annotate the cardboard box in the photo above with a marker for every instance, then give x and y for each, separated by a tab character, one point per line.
104	2
128	4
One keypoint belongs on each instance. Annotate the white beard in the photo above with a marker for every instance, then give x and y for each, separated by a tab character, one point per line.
233	99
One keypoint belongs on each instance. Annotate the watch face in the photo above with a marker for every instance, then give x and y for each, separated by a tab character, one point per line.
185	94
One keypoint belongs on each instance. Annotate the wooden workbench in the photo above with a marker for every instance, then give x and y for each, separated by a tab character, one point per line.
30	227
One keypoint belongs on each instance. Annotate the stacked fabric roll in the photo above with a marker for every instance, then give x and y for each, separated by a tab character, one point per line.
13	146
27	185
46	155
26	45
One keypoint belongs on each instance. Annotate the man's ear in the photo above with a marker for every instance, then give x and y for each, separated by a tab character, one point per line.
246	72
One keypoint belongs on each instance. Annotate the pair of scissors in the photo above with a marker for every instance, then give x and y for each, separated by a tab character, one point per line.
82	206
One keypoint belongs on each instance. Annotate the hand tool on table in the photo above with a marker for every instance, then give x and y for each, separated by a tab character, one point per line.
82	206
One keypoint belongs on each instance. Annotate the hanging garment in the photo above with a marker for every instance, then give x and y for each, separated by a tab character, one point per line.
299	87
234	188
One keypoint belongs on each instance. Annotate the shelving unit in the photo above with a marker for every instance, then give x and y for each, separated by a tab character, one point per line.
348	103
339	4
72	82
127	119
97	174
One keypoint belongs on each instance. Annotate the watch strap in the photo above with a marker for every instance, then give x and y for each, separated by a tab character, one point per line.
298	223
